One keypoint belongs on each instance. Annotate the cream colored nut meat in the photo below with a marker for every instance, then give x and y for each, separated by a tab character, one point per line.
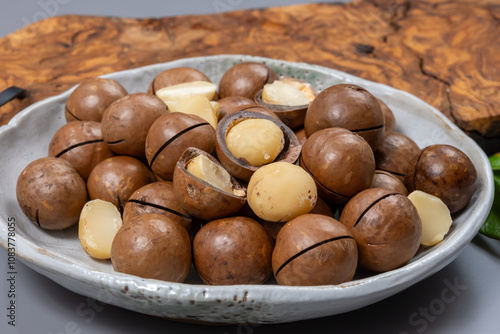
198	105
99	222
435	217
288	92
210	172
173	94
281	191
258	141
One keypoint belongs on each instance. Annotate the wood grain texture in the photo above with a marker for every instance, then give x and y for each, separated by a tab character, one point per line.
445	52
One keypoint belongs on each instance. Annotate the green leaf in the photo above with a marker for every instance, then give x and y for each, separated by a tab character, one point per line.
491	226
495	163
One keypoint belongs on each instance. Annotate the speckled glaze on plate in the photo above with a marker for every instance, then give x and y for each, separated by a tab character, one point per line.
59	256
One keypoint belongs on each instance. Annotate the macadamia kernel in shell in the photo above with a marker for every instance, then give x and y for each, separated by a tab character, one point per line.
258	141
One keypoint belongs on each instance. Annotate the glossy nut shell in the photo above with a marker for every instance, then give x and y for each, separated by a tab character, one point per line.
314	250
386	226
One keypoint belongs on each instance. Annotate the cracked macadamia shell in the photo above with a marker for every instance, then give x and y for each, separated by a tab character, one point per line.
234	250
239	167
231	104
314	250
157	197
91	98
445	172
175	76
51	193
126	122
117	178
346	106
386	226
200	198
386	180
340	161
245	79
80	143
170	135
152	246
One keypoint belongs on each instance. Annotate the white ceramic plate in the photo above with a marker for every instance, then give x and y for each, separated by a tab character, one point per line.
59	256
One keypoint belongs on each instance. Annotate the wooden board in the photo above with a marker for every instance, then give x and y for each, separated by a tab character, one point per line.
447	53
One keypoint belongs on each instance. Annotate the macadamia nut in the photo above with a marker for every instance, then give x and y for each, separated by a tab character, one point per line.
281	191
435	217
98	225
258	141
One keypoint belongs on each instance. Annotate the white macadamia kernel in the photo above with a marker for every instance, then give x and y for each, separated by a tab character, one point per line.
258	141
173	94
99	222
281	191
210	172
435	217
200	106
287	92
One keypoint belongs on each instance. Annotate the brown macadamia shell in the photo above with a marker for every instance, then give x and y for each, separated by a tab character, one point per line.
386	226
389	118
117	178
80	143
245	79
386	180
234	250
126	122
231	104
152	246
51	193
395	153
346	106
340	161
314	250
170	135
157	197
445	172
201	199
91	98
175	76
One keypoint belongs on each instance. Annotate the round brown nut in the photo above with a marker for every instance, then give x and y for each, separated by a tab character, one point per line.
240	167
389	118
126	122
395	153
204	188
386	226
51	193
340	161
152	246
91	98
117	178
386	180
273	228
233	103
278	100
175	76
255	108
170	135
346	106
157	197
445	172
234	250
80	143
314	250
245	79
301	136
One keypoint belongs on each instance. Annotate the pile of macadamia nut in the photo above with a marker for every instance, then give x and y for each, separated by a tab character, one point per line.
257	176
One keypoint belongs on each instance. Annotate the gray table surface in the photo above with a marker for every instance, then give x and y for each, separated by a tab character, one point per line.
464	297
